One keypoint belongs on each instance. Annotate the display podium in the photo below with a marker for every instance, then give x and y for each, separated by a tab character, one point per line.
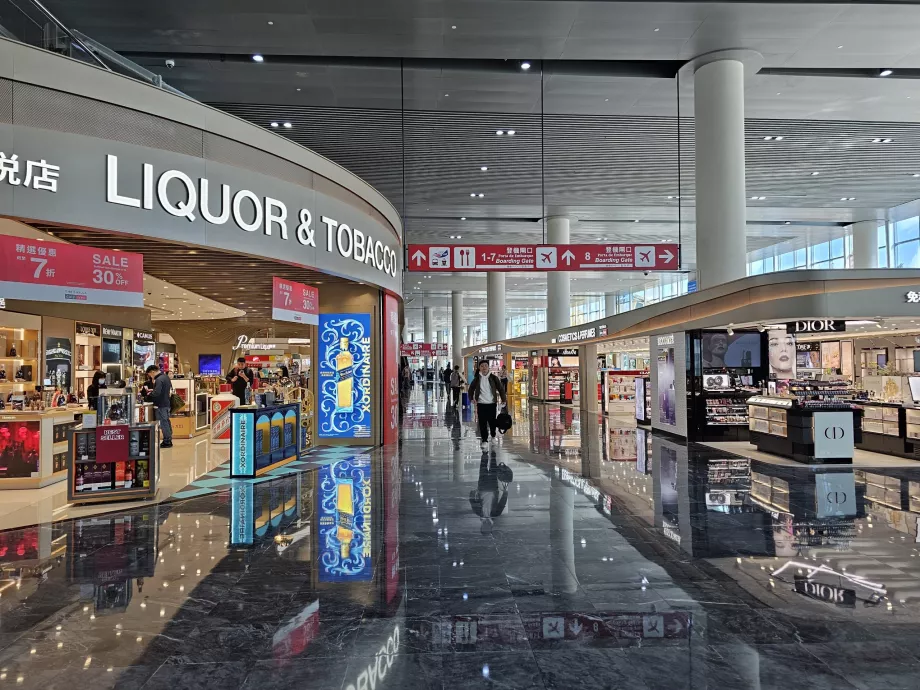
263	439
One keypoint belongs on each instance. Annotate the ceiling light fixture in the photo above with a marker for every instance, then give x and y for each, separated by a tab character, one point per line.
288	125
274	124
453	26
848	198
258	58
484	168
271	23
480	195
788	222
459	237
657	29
880	140
525	66
499	132
758	198
510	132
885	73
462	217
815	173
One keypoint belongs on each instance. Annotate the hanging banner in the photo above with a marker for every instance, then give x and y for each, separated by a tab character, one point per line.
344	409
294	301
543	257
391	368
56	272
344	510
423	349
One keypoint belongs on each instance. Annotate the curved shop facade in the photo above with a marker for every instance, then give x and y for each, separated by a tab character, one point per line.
81	147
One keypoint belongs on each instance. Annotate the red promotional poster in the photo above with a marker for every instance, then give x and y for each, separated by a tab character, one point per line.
220	417
58	272
20	445
391	368
294	301
423	349
112	443
544	257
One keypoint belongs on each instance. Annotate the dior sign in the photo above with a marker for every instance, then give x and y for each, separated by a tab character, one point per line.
827	593
817	326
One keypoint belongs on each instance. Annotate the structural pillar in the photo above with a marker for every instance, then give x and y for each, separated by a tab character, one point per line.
610	303
429	332
495	298
721	213
558	295
562	537
587	375
865	244
456	321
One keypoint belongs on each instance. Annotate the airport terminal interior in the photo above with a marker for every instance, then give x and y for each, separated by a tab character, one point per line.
459	344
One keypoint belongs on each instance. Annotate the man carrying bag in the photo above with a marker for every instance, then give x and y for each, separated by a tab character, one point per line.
486	391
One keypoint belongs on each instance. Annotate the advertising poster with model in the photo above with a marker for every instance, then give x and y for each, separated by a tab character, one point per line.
344	409
781	349
667	396
721	350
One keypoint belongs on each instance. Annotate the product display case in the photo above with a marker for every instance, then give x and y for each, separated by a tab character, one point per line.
643	400
34	446
621	443
201	411
88	357
890	428
19	363
263	439
113	463
823	431
185	420
115	406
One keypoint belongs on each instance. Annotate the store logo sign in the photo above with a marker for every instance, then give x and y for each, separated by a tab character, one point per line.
179	195
912	297
573	336
666	339
243	342
828	593
113	332
91	329
816	326
143	335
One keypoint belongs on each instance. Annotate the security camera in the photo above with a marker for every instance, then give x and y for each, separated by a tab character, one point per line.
647	273
170	63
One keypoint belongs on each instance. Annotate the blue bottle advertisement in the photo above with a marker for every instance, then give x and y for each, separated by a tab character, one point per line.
344	405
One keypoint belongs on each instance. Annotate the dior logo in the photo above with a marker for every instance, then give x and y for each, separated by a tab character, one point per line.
834	433
836	497
828	593
816	326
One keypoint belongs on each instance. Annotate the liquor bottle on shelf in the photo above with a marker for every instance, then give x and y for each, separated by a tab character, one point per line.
344	378
134	443
78	479
345	515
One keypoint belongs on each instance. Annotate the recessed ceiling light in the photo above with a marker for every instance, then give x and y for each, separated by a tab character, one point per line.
880	140
885	73
758	198
452	237
657	29
839	47
287	125
298	88
636	220
274	124
499	132
459	237
525	66
258	58
271	23
815	173
462	217
914	175
788	222
480	195
484	168
454	26
510	132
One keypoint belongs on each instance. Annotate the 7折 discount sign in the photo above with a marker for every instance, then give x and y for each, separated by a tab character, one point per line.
31	269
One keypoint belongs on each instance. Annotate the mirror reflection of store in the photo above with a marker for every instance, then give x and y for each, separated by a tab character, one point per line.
110	556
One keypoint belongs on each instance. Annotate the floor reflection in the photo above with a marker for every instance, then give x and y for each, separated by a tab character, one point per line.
579	553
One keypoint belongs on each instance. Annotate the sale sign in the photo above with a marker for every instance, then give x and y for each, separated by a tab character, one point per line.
294	301
57	272
544	257
423	349
112	443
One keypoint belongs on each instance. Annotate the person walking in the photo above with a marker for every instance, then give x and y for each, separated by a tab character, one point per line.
455	386
486	391
162	391
445	378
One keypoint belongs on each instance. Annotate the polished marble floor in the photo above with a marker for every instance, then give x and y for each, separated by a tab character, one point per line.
579	552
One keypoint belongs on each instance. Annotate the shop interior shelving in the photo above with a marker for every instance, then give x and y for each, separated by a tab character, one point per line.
25	342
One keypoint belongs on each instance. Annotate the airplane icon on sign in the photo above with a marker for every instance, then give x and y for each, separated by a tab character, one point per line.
645	256
546	257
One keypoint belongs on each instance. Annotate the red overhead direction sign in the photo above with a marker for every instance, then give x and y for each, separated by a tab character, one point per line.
543	257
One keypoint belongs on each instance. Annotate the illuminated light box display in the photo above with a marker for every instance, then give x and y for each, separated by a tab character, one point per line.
345	507
344	408
260	511
262	439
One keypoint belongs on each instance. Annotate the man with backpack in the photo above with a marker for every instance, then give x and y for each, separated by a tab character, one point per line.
455	386
487	391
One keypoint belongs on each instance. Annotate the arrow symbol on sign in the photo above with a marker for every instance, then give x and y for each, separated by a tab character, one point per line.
576	628
418	257
568	257
667	256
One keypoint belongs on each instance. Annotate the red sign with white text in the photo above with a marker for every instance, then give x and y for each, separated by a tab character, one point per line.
423	349
112	443
391	368
294	301
544	257
59	272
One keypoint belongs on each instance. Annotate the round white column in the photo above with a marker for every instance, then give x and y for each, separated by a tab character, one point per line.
865	244
495	314
558	295
721	214
456	324
610	303
429	331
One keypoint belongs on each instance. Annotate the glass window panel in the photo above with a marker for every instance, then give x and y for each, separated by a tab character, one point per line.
906	230
768	265
883	257
882	236
839	262
800	259
906	255
837	248
819	253
757	267
786	261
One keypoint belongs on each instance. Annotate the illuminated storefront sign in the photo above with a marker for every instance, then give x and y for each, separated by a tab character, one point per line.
344	408
572	336
345	520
